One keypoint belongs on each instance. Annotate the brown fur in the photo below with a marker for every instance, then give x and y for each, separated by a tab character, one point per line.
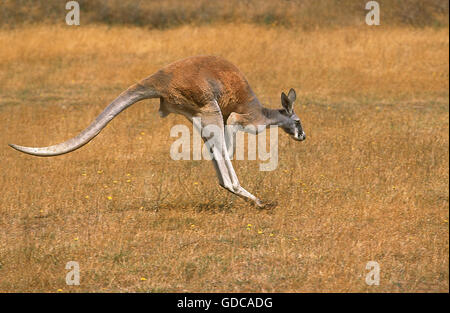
191	85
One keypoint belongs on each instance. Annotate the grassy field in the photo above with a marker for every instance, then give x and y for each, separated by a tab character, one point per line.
369	184
305	14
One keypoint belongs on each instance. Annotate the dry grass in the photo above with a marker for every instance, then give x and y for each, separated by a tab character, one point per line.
369	183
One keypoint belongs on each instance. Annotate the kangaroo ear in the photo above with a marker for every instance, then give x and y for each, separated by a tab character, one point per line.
286	102
292	95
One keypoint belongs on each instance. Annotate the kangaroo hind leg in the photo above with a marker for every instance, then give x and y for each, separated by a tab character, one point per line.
214	136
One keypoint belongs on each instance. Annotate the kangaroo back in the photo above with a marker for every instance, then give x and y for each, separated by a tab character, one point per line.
196	81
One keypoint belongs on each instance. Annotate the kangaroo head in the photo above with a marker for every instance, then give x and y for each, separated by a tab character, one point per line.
292	124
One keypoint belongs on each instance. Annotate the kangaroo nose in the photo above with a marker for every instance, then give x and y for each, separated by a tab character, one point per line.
301	137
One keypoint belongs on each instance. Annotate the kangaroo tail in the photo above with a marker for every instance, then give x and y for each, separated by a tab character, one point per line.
132	95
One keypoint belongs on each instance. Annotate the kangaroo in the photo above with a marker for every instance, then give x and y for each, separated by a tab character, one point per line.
207	87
